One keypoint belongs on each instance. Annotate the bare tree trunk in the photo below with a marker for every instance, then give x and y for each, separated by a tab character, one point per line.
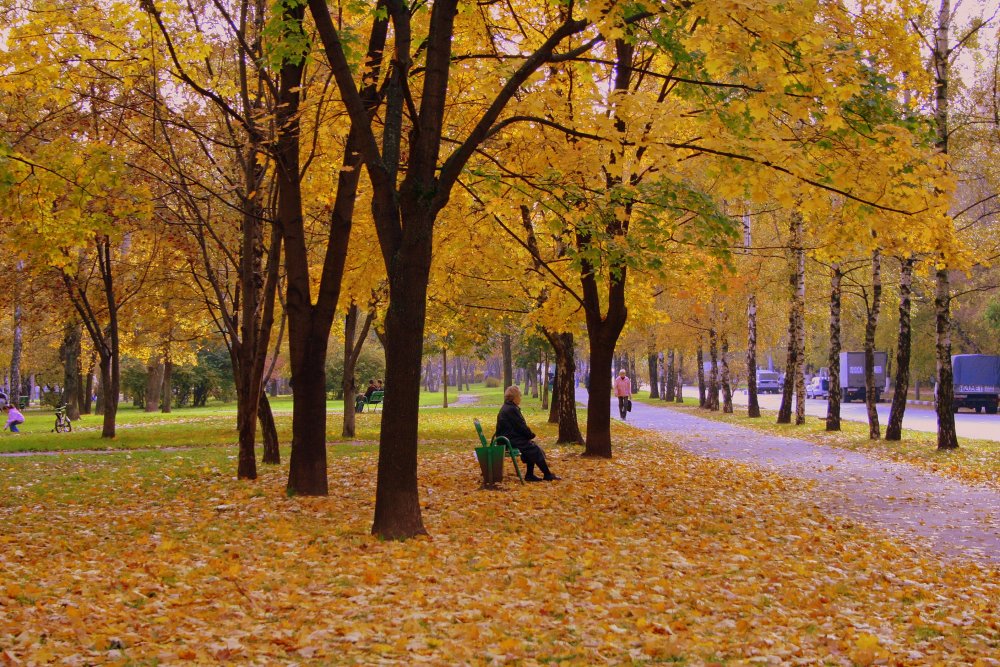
272	455
753	406
671	377
800	336
833	401
894	429
88	395
564	391
793	362
348	382
70	355
945	396
545	381
154	383
168	386
727	389
15	357
654	385
508	361
679	384
713	373
871	323
702	399
444	373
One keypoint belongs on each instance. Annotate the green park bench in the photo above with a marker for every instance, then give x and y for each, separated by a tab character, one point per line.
491	455
375	400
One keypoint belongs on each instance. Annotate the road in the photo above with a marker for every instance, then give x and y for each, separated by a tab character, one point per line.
917	418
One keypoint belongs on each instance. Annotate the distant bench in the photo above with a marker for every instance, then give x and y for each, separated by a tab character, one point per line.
375	399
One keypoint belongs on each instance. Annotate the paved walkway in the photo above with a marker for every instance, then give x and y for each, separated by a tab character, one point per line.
946	515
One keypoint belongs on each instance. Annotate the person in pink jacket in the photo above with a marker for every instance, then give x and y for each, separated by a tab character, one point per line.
623	390
14	417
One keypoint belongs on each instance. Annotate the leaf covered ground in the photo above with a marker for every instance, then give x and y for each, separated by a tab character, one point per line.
654	557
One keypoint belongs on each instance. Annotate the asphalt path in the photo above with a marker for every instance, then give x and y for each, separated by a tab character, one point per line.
917	417
930	510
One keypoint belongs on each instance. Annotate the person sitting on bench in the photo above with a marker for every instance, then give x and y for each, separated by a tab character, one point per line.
511	425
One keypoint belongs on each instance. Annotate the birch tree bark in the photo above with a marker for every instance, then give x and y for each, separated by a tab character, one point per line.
727	389
945	395
833	402
871	323
796	279
671	380
894	429
713	373
702	400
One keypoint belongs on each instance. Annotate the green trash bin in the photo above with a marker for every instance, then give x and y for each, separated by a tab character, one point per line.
491	463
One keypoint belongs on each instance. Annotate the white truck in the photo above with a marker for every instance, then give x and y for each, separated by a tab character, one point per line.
852	375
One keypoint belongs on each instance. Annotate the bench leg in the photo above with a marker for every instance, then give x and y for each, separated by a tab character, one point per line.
516	468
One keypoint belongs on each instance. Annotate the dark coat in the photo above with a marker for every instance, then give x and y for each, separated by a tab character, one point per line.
511	425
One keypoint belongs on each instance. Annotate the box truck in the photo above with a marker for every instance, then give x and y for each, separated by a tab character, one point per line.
852	375
977	382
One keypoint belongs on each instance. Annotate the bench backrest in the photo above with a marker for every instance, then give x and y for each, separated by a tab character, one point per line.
479	430
376	396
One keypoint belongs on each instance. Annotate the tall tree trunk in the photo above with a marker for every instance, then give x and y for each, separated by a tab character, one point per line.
88	394
945	396
833	402
654	385
70	355
168	385
545	381
800	336
702	399
508	361
713	373
796	281
444	374
564	390
671	377
753	405
894	429
679	385
871	323
348	383
727	389
110	388
272	455
154	383
15	357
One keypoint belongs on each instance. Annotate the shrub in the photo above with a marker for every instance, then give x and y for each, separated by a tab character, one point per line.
492	382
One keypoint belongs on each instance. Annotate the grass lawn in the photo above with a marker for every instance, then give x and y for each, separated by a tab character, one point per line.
656	556
215	424
975	461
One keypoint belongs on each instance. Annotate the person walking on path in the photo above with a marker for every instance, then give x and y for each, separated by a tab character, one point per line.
14	417
623	390
511	425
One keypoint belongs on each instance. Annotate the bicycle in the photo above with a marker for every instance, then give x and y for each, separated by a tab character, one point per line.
63	424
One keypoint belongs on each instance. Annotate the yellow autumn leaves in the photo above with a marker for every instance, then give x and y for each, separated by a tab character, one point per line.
654	556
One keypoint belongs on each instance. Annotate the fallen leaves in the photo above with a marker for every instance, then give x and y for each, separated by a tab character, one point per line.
655	556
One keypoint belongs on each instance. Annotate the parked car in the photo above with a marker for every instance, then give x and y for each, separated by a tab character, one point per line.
767	382
818	387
